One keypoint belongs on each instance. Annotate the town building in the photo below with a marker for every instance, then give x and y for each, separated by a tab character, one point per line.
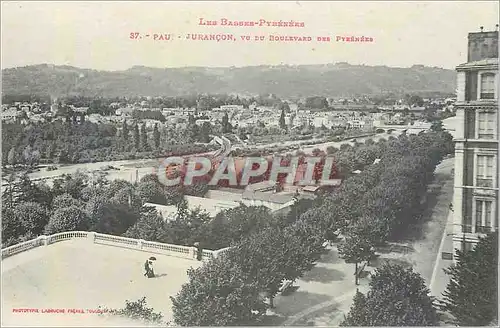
11	115
231	108
210	206
475	199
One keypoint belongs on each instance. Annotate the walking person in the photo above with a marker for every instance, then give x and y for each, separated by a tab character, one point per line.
148	267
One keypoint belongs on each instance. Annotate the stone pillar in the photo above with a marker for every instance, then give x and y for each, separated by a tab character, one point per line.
458	194
43	240
460	86
460	128
193	252
493	215
91	237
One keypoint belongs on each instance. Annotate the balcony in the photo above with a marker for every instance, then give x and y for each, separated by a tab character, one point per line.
490	136
480	103
480	231
487	96
486	183
483	229
483	191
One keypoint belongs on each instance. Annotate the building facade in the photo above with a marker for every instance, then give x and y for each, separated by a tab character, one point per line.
475	199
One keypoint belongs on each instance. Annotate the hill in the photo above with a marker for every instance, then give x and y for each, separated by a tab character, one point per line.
339	79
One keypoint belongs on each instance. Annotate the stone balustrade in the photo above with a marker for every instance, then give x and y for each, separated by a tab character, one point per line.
186	252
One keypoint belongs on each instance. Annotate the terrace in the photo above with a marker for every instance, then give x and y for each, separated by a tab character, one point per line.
85	270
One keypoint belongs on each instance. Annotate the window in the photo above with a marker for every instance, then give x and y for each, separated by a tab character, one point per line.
484	171
483	216
479	215
487	86
486	125
471	86
487	214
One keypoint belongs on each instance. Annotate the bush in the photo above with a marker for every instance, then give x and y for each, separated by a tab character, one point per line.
51	168
138	311
67	219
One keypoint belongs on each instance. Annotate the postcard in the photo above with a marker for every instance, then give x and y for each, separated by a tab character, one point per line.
239	163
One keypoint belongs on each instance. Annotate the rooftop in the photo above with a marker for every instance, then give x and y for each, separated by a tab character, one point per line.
211	206
270	196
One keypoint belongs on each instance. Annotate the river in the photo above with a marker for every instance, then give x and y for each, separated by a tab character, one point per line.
133	169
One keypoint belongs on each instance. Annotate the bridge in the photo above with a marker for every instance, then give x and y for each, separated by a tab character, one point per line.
449	124
410	129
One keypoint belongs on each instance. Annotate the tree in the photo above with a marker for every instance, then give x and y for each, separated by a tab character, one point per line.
226	126
471	295
198	189
156	136
437	126
261	258
284	106
67	219
32	217
229	226
218	294
12	156
125	131
65	200
299	207
50	151
306	243
151	192
137	141
28	156
358	311
95	210
72	184
149	226
355	249
12	227
282	122
187	227
8	195
206	130
144	138
24	190
397	297
326	218
416	100
374	230
317	102
114	218
192	133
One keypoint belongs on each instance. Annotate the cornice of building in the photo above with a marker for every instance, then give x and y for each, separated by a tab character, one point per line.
478	66
478	104
489	67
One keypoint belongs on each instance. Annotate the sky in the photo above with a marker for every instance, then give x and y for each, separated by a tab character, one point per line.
96	34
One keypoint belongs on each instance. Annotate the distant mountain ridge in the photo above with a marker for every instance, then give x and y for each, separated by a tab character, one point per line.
339	79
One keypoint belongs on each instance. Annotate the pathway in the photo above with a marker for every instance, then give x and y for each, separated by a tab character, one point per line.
325	293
